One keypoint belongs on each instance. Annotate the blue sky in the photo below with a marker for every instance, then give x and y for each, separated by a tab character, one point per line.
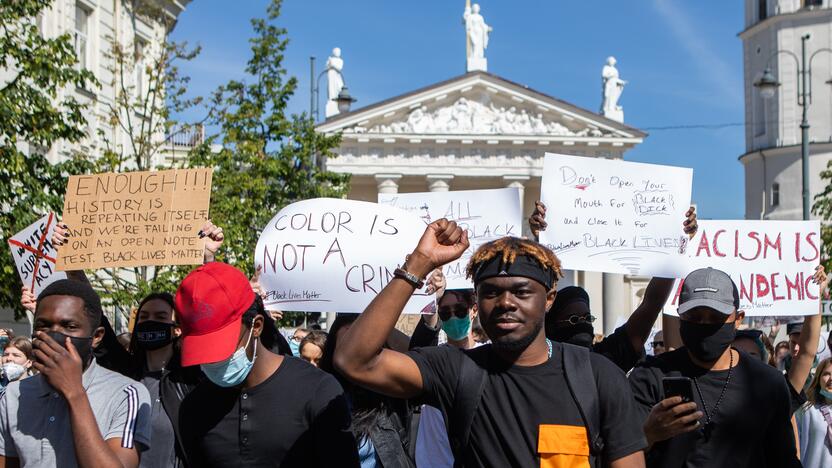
683	61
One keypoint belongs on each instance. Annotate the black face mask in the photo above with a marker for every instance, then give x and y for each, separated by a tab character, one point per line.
151	334
82	345
580	334
707	341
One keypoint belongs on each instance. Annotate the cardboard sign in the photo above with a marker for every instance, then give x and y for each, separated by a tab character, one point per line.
333	255
135	219
614	216
34	254
771	262
486	215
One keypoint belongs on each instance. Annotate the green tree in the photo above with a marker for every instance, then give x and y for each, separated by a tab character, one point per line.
823	208
268	159
33	70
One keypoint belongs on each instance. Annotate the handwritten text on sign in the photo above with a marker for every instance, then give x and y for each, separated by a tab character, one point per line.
135	219
332	255
771	262
486	215
615	216
34	254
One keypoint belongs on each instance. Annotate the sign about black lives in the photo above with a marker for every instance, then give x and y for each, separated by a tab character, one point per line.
615	216
485	214
333	255
771	262
34	255
135	219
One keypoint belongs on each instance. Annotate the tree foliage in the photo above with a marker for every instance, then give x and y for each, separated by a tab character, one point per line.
823	208
267	158
33	117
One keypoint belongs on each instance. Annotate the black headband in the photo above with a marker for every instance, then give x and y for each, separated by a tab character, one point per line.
522	265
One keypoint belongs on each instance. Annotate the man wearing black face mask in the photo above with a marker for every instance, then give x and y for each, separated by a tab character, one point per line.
740	414
74	412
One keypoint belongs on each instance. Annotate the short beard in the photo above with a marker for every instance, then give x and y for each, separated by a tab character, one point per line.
519	345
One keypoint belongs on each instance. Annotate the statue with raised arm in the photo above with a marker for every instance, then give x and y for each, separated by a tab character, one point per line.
477	33
612	87
335	81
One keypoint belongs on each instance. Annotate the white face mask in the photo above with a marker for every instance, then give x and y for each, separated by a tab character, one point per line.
13	371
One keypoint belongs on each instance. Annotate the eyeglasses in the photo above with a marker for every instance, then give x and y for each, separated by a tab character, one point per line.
576	319
459	310
657	344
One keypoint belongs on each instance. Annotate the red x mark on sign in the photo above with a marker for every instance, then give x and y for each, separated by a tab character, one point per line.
39	254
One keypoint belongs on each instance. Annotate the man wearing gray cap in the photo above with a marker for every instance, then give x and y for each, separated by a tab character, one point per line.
707	404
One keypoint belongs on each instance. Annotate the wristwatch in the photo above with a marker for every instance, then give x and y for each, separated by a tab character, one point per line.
414	280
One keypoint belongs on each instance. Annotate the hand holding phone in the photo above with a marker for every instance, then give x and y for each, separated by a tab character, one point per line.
676	414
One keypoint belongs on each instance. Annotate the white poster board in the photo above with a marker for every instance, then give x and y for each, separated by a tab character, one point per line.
34	254
333	255
486	215
614	216
771	262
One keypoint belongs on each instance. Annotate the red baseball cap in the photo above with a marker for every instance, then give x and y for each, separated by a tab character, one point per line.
210	303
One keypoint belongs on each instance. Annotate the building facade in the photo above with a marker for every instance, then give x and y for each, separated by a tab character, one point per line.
773	39
481	131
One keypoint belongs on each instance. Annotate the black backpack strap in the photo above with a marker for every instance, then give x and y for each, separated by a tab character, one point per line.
413	431
466	401
581	381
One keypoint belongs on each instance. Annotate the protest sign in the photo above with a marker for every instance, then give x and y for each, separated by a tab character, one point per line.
485	214
771	262
333	255
34	254
615	216
135	219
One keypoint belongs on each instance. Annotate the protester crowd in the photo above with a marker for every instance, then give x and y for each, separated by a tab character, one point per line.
508	374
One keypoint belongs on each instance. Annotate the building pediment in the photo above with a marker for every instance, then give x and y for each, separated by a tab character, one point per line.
478	105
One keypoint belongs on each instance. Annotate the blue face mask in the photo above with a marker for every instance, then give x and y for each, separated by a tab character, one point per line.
457	328
234	370
826	394
294	346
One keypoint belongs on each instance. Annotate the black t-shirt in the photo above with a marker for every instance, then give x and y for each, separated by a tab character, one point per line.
751	426
516	401
298	417
619	349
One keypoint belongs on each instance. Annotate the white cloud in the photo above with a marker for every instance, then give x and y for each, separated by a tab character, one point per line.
713	68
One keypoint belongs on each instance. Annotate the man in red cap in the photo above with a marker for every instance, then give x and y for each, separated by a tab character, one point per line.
257	408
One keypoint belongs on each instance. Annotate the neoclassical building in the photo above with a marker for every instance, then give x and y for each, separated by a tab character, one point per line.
481	131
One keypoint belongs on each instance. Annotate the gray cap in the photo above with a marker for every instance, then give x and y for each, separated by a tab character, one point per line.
710	288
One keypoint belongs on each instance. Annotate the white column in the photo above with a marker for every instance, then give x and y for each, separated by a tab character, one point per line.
439	182
388	183
518	182
615	300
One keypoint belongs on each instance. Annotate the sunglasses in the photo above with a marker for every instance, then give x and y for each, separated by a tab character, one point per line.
576	319
657	344
458	310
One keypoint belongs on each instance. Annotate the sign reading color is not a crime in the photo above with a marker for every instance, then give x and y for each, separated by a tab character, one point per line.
771	262
486	215
615	216
135	219
333	255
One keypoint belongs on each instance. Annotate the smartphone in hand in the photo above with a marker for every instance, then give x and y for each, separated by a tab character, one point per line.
678	386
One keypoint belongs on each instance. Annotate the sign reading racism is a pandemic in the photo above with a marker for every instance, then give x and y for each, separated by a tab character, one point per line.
486	215
34	254
333	255
615	216
771	262
135	219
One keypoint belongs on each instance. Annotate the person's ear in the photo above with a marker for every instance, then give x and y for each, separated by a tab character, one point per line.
550	298
28	364
97	336
257	326
475	310
739	320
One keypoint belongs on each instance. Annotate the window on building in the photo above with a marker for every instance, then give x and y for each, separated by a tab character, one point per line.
141	74
812	3
82	16
775	194
762	9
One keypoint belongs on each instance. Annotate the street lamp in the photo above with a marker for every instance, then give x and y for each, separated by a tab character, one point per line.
343	99
768	84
